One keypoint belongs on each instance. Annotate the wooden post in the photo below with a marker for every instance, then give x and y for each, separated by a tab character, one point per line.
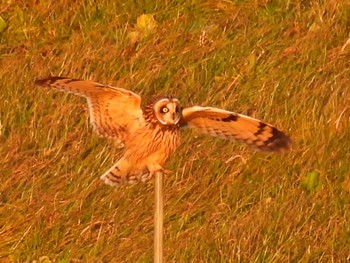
158	219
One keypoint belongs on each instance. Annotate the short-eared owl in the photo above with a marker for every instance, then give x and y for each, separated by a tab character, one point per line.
152	133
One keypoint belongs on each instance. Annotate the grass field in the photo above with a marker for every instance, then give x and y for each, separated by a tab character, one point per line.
286	62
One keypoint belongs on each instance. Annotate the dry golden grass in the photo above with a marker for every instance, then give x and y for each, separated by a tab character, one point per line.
286	62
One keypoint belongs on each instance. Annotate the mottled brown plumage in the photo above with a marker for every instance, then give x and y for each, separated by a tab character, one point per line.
151	135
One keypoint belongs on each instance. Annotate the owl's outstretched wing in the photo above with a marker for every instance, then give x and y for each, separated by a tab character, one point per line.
230	125
114	112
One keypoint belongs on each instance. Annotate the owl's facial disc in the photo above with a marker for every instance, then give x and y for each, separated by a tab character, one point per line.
168	111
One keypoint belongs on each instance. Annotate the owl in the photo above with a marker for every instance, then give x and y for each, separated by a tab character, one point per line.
151	133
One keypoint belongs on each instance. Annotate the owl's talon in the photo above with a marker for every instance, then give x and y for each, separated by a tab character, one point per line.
164	171
155	168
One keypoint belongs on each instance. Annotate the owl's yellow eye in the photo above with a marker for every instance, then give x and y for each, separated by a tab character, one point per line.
165	110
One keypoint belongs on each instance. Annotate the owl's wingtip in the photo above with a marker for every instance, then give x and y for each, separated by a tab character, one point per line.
284	146
40	82
47	81
281	144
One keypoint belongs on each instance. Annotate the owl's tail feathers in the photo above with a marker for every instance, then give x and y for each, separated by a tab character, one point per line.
120	173
113	176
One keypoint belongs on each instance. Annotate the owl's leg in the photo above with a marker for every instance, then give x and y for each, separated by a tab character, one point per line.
154	168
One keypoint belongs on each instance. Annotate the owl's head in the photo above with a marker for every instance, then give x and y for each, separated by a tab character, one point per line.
167	111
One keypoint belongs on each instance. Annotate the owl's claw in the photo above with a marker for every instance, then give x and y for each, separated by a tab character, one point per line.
155	168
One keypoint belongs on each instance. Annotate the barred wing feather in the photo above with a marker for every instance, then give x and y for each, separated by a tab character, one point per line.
234	126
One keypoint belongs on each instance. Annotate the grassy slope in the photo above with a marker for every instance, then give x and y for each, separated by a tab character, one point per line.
282	61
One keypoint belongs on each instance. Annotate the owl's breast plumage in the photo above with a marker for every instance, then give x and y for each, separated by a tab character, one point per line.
152	144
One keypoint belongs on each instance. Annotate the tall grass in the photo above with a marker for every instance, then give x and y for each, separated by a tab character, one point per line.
286	62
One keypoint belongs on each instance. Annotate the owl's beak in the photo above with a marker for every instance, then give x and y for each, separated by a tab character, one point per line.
175	118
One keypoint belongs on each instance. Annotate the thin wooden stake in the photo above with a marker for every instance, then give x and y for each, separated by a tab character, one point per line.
158	219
